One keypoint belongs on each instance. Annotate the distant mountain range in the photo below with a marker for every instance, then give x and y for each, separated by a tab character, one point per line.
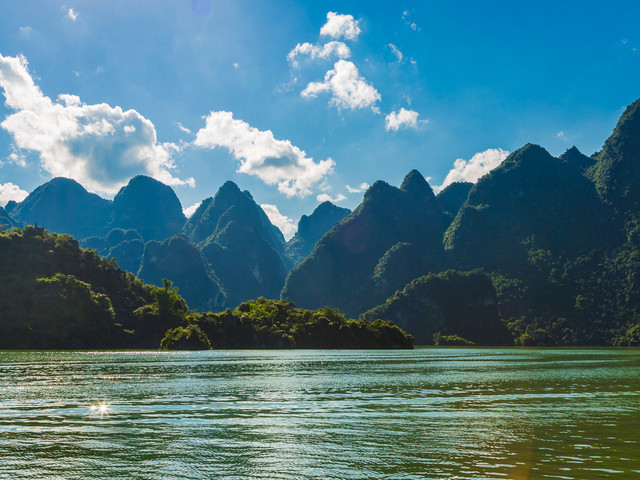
553	243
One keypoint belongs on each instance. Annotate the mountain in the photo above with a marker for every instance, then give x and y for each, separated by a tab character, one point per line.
452	197
394	235
180	261
575	158
537	226
63	205
449	303
312	227
126	246
57	295
240	244
7	220
617	169
148	206
534	199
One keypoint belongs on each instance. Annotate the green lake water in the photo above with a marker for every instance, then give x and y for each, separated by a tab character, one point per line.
428	413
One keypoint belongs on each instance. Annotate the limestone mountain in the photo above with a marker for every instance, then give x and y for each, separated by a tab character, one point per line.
150	207
180	261
240	244
63	205
532	198
577	159
312	227
394	235
7	220
452	197
617	169
449	303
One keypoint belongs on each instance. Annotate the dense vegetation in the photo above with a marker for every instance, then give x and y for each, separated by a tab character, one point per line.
557	241
279	324
54	294
447	305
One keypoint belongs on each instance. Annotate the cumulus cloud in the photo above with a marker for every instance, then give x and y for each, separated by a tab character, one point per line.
339	49
359	189
275	162
471	170
189	211
325	197
99	146
286	225
340	26
72	14
402	119
347	87
10	191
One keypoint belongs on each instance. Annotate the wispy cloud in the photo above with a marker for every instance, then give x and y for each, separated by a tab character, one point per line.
10	191
340	26
183	129
396	52
275	162
347	87
72	14
471	170
286	225
100	146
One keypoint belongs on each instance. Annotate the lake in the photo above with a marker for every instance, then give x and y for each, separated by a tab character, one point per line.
432	413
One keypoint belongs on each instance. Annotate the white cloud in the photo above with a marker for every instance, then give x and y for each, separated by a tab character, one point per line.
286	225
325	197
26	30
189	211
325	51
470	171
340	26
359	189
17	158
402	119
275	162
183	129
10	191
347	87
236	65
72	14
100	146
396	52
561	135
414	27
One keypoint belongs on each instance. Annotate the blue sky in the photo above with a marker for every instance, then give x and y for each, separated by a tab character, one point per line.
302	101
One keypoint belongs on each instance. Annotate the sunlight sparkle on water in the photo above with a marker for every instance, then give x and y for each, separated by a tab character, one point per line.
100	408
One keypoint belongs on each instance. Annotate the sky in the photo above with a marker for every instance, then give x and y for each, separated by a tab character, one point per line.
300	102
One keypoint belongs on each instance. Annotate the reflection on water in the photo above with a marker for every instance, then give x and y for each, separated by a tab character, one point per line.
427	413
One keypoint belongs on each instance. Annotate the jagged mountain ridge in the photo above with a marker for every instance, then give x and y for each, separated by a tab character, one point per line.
340	270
